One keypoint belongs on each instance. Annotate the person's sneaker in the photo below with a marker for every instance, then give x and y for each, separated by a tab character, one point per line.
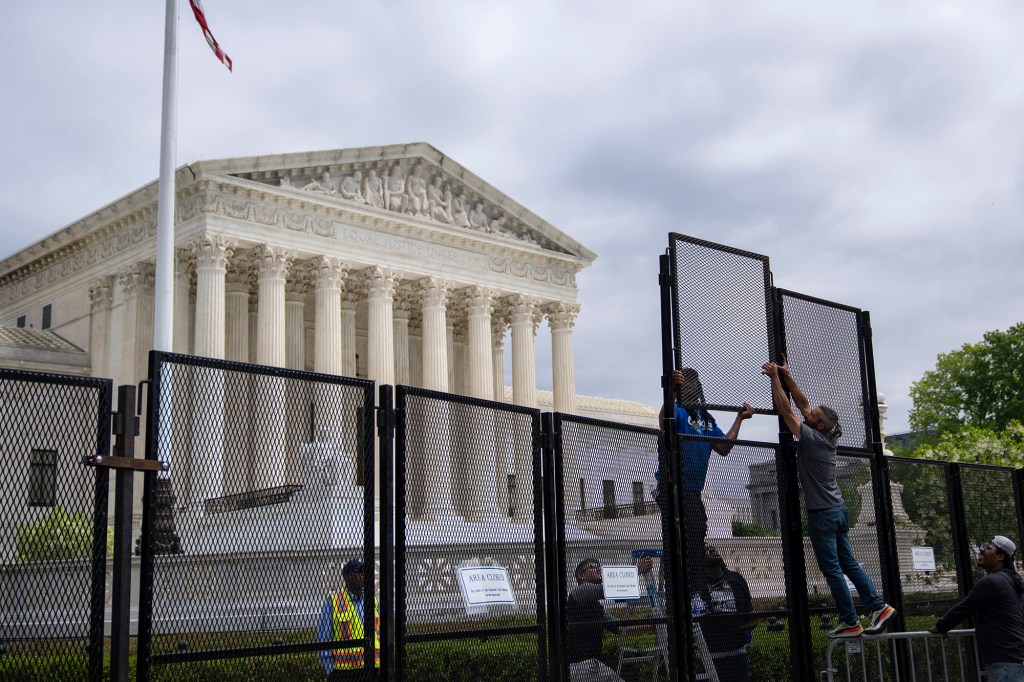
855	630
879	619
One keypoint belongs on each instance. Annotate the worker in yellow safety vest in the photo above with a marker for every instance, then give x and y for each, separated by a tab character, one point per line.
341	619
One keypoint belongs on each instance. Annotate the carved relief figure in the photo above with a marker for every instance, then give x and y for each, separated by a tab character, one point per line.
324	185
373	190
497	226
416	190
394	190
477	217
459	216
286	181
349	188
438	207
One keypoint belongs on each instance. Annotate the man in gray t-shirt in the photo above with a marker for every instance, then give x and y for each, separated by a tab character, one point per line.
828	524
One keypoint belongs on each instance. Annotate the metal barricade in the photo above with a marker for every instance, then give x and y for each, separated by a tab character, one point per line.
927	656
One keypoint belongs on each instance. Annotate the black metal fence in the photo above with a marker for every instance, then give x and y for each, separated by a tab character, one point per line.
270	493
469	538
53	525
482	526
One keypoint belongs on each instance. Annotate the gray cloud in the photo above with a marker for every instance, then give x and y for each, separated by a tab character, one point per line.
873	152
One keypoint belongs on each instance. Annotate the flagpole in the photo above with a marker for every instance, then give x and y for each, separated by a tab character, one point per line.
163	319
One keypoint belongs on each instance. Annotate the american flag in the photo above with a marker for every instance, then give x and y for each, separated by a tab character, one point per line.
197	9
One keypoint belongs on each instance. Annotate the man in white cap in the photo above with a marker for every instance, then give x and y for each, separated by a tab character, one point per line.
998	601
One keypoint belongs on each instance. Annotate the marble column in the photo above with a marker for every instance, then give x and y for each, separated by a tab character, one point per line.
238	428
524	358
561	318
272	263
183	320
137	286
484	470
453	386
380	352
524	392
295	320
435	334
254	318
498	326
329	273
437	460
237	315
350	297
136	282
481	352
101	299
402	304
211	253
267	468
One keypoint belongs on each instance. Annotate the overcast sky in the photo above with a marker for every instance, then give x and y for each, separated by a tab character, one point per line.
873	150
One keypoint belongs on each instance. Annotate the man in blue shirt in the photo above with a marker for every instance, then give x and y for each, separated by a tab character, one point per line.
693	419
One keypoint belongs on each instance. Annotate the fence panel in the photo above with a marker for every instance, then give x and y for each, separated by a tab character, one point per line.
746	528
469	551
53	525
607	516
921	503
989	508
823	345
270	492
723	325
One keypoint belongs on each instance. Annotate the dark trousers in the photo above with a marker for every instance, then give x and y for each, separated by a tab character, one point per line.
695	518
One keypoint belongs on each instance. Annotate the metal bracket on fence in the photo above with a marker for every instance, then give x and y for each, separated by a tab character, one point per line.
112	462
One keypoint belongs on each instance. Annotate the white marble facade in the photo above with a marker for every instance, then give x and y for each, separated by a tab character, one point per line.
393	263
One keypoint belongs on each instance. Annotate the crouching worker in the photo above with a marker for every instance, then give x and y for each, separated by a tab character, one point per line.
342	618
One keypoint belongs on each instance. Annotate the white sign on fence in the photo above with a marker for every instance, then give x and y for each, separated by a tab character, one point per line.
621	582
924	558
485	585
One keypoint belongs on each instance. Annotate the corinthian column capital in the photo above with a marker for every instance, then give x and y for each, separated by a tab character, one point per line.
100	294
138	278
435	291
561	314
329	272
212	251
272	262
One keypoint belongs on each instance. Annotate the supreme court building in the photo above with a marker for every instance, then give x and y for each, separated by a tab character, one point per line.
393	263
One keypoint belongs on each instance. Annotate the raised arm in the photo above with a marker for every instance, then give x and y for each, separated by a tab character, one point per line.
734	431
799	397
782	404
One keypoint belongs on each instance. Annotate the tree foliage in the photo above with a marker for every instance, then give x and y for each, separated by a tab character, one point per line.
979	384
978	445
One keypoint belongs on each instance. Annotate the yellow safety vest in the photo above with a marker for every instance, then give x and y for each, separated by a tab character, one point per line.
348	625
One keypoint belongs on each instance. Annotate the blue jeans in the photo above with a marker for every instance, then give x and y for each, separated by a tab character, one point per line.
1005	672
829	530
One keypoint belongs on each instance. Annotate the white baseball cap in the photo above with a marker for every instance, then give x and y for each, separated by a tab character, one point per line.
1004	544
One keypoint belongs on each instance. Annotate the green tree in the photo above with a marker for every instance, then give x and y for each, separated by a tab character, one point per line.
979	445
979	384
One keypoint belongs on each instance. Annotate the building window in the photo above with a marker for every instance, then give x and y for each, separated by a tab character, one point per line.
47	315
608	490
583	494
511	495
639	503
42	478
21	322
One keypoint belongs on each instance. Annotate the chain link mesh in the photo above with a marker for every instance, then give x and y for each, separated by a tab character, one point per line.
612	520
469	539
824	354
921	503
723	325
53	529
989	508
269	494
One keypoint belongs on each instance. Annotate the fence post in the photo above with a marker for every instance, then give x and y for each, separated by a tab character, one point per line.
673	527
386	435
554	514
125	427
1018	498
958	524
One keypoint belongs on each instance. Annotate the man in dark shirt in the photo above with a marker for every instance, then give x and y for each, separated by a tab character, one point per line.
587	621
998	602
727	626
